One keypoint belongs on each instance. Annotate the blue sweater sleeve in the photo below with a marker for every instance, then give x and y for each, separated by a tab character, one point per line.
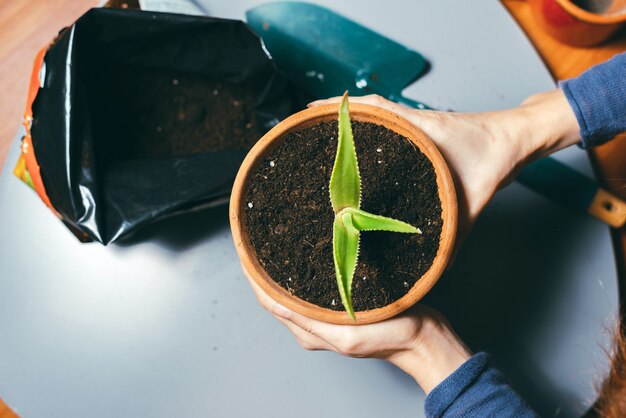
476	390
598	98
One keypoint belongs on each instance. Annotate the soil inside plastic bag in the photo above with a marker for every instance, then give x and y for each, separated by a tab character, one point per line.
143	115
163	113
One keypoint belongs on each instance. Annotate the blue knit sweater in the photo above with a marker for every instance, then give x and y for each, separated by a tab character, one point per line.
598	98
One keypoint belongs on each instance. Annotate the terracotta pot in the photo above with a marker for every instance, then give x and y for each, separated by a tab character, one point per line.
573	25
304	119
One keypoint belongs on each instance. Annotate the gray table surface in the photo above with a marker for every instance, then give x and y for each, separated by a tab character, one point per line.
163	324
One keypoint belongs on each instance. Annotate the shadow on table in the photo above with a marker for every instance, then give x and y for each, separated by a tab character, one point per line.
503	285
180	232
500	289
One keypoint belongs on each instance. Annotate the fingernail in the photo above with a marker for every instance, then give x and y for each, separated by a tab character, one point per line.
281	311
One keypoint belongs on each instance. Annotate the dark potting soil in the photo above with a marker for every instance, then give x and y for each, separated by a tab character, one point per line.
290	218
163	113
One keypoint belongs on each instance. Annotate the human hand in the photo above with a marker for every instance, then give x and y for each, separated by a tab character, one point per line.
485	151
419	341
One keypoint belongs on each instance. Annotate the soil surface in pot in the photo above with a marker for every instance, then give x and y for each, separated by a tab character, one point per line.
289	216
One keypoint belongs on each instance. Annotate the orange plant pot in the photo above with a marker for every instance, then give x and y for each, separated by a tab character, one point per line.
573	25
310	117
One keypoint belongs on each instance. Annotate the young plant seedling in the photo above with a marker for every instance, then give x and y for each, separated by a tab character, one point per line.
350	220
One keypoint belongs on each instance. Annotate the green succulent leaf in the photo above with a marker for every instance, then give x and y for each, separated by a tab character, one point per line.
350	220
345	254
365	221
345	181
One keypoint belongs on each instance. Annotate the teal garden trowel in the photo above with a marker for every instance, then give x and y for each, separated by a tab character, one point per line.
324	54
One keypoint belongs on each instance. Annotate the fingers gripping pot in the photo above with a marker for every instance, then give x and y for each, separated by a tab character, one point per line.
133	116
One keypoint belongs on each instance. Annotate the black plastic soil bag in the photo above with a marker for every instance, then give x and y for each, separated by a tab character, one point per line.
144	114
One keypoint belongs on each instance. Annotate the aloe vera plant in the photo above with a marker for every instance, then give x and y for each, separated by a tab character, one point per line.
350	219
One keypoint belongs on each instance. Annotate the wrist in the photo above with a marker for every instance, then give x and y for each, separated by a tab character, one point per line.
434	355
546	123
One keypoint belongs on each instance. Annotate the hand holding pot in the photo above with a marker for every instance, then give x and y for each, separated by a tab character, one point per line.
486	150
419	341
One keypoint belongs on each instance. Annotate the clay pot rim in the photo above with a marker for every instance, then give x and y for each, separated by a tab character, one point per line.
589	17
310	117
